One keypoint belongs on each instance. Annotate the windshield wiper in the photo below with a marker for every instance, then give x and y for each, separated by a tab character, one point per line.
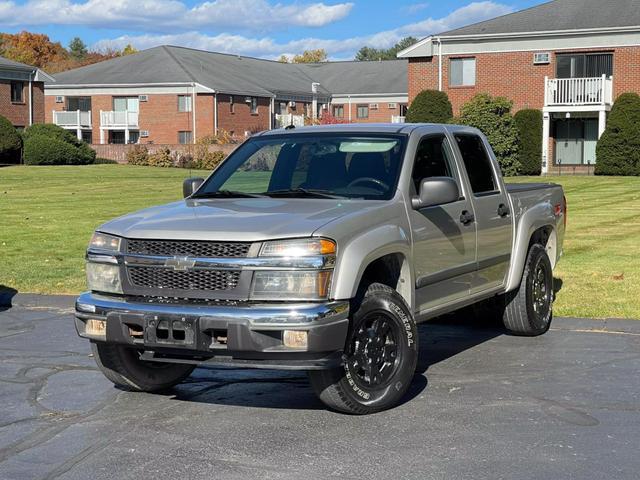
227	194
307	192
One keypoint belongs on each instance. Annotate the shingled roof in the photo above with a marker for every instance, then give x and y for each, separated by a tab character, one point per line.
239	74
559	15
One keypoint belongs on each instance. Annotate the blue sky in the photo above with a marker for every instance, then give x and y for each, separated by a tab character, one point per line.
262	28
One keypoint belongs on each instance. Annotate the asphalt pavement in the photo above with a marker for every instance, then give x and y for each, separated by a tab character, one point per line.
483	405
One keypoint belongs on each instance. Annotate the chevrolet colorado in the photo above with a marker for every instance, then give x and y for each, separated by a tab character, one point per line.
320	249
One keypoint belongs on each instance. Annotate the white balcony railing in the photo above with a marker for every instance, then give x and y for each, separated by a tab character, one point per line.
118	119
397	119
578	91
282	120
73	119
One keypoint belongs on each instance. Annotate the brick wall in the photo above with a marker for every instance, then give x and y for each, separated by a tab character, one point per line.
119	152
382	114
241	119
513	75
18	113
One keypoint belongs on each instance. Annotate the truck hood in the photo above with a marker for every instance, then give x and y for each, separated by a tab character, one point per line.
234	219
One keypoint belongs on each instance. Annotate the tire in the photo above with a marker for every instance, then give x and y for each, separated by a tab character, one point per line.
123	367
529	309
381	354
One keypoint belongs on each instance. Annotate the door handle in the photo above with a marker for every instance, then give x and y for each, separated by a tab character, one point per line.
466	217
503	210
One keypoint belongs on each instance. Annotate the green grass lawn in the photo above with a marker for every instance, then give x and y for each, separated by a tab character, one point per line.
47	215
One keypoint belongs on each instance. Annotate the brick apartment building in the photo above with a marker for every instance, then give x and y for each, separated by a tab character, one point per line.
175	95
21	93
568	58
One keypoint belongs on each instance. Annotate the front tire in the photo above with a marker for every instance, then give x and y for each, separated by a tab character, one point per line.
381	354
528	310
122	365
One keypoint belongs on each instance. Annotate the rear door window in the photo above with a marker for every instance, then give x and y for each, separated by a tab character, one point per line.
477	163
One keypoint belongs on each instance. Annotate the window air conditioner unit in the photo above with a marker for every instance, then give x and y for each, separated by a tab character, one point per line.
59	99
247	99
292	104
540	58
144	133
392	105
373	106
143	98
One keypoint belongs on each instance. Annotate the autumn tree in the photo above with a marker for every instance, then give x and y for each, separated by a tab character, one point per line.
370	54
308	56
31	48
129	49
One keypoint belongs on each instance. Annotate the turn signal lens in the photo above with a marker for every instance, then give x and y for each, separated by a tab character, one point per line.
303	247
96	328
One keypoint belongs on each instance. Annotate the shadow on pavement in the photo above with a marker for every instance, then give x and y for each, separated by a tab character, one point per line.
440	339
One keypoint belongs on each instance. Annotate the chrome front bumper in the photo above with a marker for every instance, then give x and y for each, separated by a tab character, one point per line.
253	332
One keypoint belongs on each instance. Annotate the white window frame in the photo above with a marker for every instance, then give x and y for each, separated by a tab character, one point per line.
187	133
467	74
187	106
254	105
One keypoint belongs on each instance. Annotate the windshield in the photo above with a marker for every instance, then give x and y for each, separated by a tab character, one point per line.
315	166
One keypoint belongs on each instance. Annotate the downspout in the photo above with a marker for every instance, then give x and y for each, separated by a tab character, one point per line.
349	108
439	64
31	99
193	111
215	113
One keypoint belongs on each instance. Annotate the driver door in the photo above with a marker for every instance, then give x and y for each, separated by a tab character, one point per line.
444	248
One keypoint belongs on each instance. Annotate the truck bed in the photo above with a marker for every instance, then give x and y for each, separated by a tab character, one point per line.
526	187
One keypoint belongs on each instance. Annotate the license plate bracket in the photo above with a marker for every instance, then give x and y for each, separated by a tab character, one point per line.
171	331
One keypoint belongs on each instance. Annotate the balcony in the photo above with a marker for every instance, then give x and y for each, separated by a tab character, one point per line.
72	119
578	92
120	119
286	119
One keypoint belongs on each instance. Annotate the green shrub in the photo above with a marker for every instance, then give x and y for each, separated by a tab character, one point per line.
493	118
41	150
430	106
529	125
161	158
83	155
138	155
618	150
205	159
10	142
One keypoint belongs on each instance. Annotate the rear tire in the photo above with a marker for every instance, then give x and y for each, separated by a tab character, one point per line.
381	354
529	308
122	365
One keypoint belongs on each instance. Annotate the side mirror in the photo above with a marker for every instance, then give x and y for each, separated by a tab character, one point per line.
190	185
436	191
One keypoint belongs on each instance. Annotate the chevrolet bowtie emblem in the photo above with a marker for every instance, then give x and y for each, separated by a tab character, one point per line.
180	263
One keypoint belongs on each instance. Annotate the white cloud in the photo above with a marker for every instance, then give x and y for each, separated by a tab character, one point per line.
164	15
267	47
415	8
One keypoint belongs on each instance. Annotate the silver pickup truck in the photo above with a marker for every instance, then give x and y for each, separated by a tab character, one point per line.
320	249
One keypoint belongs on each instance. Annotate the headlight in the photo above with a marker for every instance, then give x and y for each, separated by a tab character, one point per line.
104	241
102	277
291	285
302	247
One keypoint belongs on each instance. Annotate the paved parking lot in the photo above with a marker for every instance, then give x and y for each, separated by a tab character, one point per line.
482	405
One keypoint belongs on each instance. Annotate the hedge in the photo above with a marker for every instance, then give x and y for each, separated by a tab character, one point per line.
82	153
493	118
42	150
618	150
529	125
10	142
430	106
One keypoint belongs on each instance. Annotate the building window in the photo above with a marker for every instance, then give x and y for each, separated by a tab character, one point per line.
338	111
463	72
588	65
185	137
184	103
254	105
129	104
87	136
363	111
134	137
116	137
17	92
231	104
79	103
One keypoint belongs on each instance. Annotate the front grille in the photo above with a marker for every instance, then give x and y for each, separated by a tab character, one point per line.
164	278
187	248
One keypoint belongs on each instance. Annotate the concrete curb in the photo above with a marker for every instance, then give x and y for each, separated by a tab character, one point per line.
10	299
